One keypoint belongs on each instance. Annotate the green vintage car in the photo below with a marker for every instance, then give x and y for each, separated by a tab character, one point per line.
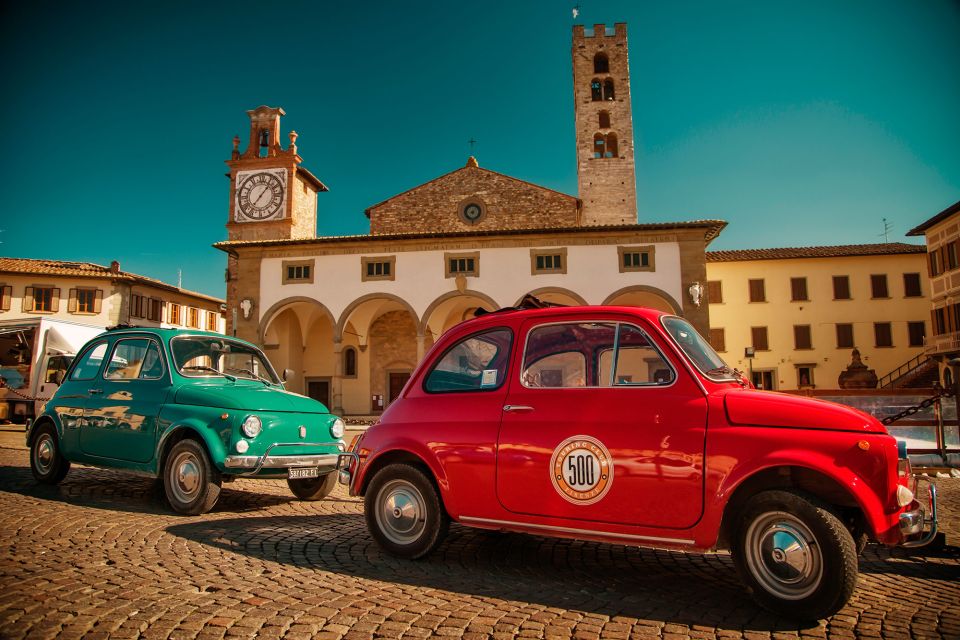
191	407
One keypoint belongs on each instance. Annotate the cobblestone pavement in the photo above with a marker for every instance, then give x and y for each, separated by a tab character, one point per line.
100	556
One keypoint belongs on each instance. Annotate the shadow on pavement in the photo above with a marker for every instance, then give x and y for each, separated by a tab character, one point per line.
585	576
118	491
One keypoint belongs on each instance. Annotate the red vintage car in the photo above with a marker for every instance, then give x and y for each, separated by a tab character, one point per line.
621	424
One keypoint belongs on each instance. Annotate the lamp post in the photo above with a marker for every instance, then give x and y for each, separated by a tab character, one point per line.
748	353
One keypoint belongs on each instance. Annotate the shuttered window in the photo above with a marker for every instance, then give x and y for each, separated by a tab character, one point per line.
878	286
798	289
844	336
916	332
41	299
801	337
718	340
841	287
85	301
759	338
714	292
883	334
911	285
757	291
6	294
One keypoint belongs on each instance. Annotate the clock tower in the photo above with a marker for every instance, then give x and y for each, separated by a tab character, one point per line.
272	197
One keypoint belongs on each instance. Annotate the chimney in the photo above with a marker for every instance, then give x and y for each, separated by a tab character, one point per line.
114	267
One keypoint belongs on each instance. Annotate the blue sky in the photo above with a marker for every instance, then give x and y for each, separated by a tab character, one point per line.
799	123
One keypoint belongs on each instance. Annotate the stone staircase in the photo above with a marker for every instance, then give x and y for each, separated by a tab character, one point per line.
916	373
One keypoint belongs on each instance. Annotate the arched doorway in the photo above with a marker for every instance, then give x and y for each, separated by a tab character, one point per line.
644	296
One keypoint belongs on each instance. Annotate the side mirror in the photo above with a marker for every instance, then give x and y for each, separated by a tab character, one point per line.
287	374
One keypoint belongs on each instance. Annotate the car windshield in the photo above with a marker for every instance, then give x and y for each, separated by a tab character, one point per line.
208	356
697	349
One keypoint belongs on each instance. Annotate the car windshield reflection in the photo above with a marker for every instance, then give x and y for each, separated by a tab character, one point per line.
209	356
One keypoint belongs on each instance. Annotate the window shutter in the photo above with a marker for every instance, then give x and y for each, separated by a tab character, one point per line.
714	292
28	299
55	300
98	301
72	303
6	292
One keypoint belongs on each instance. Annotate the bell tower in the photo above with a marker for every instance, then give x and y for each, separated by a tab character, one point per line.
606	177
272	197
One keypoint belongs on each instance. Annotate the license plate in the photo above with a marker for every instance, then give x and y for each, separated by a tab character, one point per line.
304	472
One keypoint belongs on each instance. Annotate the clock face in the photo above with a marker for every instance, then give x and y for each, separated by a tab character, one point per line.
260	195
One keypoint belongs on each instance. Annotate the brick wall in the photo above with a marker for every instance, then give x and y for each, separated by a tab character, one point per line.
393	347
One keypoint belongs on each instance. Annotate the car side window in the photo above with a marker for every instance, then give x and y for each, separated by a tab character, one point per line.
137	358
562	355
638	361
592	354
476	363
89	363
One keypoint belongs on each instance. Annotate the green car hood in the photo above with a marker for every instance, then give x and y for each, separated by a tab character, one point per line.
245	395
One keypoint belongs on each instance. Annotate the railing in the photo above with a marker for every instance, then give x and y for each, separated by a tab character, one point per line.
907	367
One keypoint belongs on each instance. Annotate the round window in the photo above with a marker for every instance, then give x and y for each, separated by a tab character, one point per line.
472	211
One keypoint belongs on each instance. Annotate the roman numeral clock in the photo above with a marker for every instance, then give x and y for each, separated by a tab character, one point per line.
260	195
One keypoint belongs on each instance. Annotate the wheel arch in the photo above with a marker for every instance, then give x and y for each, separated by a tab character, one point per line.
799	479
41	422
404	456
184	431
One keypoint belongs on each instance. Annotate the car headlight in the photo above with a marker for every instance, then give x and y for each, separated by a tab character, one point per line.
904	496
251	427
337	428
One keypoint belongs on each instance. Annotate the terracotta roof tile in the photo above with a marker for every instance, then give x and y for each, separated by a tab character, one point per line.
87	270
834	251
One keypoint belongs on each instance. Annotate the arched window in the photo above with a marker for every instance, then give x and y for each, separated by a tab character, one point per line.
604	119
599	145
350	362
611	146
608	89
596	90
600	63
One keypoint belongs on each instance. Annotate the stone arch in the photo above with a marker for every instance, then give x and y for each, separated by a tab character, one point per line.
573	295
652	292
353	306
275	310
422	326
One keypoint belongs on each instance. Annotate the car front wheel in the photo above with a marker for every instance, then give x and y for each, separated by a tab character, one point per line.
46	462
311	489
794	554
190	481
403	511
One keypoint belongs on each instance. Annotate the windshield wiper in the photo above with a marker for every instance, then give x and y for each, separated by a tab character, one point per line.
253	375
203	367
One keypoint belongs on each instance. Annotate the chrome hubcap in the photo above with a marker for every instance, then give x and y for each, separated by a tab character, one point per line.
784	556
401	513
44	453
185	477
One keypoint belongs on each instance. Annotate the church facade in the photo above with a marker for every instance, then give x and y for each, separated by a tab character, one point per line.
352	316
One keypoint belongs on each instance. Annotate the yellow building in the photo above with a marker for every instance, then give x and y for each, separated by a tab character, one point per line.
804	310
942	233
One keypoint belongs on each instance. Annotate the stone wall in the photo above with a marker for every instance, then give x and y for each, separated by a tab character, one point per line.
508	203
393	347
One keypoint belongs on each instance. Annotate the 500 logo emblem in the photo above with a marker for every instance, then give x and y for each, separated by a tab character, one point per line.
581	470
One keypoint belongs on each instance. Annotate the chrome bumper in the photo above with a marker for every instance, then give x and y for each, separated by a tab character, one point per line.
914	521
266	461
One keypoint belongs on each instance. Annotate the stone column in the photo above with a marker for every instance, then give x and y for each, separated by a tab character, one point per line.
420	347
336	384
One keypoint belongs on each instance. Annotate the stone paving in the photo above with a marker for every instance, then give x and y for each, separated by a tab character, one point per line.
100	556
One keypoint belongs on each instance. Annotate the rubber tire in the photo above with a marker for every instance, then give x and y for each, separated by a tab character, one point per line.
311	489
208	490
837	549
59	465
436	522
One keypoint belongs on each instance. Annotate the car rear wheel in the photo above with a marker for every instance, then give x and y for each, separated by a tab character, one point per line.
794	554
403	511
311	489
46	462
190	482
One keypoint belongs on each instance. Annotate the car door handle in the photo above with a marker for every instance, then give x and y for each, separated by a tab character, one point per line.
517	407
94	390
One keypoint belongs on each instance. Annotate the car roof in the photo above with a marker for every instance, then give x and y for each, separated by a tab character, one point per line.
511	315
162	332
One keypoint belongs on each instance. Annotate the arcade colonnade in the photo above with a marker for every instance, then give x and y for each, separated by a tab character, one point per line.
356	360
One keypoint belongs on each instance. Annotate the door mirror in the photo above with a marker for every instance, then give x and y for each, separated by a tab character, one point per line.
287	374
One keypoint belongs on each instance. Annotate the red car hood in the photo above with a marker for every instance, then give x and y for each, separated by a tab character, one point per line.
771	409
